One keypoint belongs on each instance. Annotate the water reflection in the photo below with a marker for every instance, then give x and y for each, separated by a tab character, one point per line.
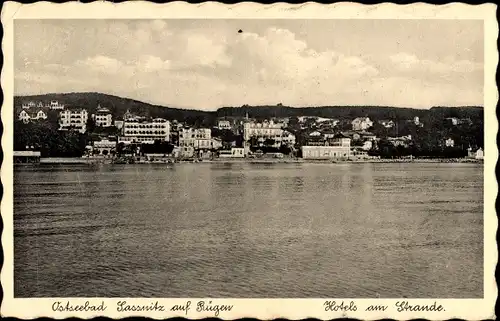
249	230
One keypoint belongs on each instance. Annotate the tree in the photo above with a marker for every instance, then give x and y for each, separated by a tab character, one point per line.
120	148
91	125
284	149
53	118
386	149
48	140
254	141
269	142
225	135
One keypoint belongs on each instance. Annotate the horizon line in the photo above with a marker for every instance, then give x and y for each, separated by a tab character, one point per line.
246	105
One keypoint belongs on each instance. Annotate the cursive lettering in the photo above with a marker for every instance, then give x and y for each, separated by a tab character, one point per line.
203	306
58	306
334	306
402	306
180	307
122	306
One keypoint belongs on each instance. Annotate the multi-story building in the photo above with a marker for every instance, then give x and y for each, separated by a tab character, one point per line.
359	153
75	118
459	121
140	130
198	138
234	152
268	130
53	104
129	116
26	116
118	123
404	141
103	117
28	105
338	147
104	147
287	138
367	145
479	154
361	123
224	124
453	120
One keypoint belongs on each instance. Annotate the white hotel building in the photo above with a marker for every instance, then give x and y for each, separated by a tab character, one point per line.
268	130
338	147
198	138
73	118
140	130
26	116
103	117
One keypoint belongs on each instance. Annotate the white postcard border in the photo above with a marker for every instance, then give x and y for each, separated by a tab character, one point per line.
471	309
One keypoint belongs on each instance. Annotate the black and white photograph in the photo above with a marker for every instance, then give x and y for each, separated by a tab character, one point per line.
261	158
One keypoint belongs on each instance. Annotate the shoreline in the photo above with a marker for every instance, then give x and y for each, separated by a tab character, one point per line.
170	161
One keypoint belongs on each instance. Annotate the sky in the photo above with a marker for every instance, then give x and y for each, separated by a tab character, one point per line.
206	64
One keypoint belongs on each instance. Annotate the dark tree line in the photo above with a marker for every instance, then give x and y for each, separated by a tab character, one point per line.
386	149
119	106
51	142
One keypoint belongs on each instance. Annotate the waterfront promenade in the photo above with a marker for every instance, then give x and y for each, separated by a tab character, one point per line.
168	160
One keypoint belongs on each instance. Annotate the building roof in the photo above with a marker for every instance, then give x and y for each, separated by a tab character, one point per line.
74	109
407	137
340	135
360	119
315	138
34	112
37	102
102	110
349	133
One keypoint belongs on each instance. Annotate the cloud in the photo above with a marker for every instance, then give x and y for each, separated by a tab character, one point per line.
409	62
208	67
280	57
102	64
34	77
404	60
205	51
148	63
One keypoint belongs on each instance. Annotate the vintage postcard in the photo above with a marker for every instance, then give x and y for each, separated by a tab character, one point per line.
248	160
